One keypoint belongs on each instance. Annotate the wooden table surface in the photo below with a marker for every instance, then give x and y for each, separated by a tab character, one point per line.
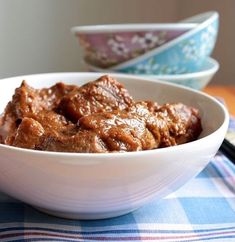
226	92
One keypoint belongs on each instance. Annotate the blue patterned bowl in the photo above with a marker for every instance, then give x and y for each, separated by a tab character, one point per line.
184	54
196	80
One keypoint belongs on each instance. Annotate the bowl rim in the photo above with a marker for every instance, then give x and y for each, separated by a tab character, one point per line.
209	18
130	27
174	77
214	68
92	75
187	24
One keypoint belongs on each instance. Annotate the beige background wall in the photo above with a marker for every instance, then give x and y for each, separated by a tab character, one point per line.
35	34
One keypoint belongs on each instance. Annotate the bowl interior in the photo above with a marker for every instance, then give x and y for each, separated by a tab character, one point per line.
199	17
185	24
213	114
110	28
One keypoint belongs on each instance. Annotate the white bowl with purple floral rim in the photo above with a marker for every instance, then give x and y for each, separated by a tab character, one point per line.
196	80
183	54
108	45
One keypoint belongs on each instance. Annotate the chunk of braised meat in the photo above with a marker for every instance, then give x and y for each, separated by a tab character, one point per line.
83	141
54	123
102	95
49	98
28	102
1	138
39	126
16	109
27	134
182	124
122	130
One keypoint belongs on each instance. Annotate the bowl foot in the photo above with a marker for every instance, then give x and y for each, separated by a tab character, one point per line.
86	215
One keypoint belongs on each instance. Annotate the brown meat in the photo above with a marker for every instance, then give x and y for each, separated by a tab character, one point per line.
102	95
143	126
15	111
28	102
81	142
49	98
182	123
28	134
140	128
104	119
52	124
104	132
122	130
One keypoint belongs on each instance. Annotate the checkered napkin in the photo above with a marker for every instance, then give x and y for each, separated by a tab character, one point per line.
202	210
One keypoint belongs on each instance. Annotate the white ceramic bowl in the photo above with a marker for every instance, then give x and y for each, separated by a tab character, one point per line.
94	186
196	80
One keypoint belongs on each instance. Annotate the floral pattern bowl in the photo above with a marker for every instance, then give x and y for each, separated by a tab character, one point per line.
108	45
183	54
196	80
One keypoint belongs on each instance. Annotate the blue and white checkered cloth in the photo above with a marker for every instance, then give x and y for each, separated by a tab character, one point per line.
202	210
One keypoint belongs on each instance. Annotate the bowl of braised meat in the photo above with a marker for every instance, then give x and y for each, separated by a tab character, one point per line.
87	146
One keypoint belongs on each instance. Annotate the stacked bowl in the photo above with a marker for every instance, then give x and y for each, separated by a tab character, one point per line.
177	52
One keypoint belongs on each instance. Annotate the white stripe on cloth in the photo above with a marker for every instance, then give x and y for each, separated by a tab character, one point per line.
37	234
143	226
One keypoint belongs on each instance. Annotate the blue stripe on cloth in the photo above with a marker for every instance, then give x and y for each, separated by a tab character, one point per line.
232	123
205	173
208	210
162	211
208	172
231	202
